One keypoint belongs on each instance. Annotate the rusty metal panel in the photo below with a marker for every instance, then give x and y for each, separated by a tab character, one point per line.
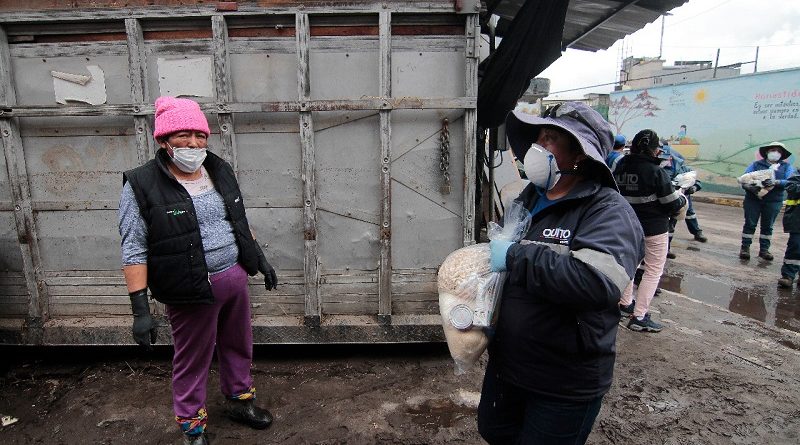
348	189
10	256
424	73
426	223
79	240
265	76
195	49
348	69
36	86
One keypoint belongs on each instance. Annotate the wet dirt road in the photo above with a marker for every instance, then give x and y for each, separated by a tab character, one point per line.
713	273
711	377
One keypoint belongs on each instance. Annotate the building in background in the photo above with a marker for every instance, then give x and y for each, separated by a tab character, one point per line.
647	72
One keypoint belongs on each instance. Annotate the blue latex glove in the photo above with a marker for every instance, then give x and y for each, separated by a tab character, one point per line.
497	260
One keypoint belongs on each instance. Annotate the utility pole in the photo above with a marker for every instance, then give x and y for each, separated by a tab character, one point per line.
755	66
661	41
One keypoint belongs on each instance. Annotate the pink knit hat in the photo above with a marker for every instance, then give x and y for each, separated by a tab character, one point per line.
173	114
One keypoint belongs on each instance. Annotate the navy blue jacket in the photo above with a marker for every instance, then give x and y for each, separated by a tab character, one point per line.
557	326
791	213
648	189
785	170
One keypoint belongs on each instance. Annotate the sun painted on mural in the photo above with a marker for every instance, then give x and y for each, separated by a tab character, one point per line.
700	96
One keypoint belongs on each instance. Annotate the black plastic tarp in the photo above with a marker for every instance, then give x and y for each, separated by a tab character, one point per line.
531	44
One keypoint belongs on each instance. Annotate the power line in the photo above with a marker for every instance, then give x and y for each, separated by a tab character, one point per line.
732	65
739	46
699	14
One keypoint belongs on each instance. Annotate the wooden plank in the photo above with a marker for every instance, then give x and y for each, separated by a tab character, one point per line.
385	88
472	32
224	91
178	12
313	310
34	50
237	46
399	103
21	196
137	70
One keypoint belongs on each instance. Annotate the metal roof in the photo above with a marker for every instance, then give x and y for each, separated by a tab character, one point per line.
593	25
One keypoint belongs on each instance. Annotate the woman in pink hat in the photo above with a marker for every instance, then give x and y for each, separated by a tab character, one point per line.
185	236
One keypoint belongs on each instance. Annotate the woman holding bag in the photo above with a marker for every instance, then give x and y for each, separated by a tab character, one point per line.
552	355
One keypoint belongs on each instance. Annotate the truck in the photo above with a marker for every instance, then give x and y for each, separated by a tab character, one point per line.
717	125
351	126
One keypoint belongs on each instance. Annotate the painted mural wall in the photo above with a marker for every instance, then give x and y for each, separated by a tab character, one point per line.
717	125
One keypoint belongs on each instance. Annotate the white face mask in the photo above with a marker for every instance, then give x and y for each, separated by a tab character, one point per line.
188	160
541	167
774	156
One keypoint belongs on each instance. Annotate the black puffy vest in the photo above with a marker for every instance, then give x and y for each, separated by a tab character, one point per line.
176	263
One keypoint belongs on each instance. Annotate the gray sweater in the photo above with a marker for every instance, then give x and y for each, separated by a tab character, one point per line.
216	231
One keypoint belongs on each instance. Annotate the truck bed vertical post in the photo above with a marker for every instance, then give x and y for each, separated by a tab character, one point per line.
137	69
385	73
222	81
311	258
472	32
23	210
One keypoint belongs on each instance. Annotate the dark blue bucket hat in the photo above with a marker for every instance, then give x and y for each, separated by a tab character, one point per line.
586	125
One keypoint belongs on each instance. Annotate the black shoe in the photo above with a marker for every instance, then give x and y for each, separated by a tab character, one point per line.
246	412
785	282
766	255
670	255
199	439
744	253
699	237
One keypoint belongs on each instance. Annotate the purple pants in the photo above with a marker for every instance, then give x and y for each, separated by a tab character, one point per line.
197	329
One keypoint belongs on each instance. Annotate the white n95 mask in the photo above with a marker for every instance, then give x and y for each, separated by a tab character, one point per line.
188	160
541	167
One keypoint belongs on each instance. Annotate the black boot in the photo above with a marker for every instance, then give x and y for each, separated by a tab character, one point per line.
700	237
246	412
744	253
199	439
766	255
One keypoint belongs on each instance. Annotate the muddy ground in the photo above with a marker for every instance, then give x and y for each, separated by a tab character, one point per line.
713	376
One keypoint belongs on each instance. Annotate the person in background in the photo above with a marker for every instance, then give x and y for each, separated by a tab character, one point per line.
648	188
765	208
674	164
617	152
185	236
552	354
791	225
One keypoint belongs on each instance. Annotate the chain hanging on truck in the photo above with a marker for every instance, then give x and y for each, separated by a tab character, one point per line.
444	161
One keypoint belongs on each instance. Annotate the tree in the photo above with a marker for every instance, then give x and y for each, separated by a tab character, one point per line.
623	110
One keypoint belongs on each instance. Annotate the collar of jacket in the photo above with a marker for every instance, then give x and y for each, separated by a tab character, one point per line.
644	157
582	189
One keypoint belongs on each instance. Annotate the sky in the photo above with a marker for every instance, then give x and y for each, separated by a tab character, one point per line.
693	31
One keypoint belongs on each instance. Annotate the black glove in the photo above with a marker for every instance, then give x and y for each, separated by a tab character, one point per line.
145	332
270	279
690	190
767	183
754	189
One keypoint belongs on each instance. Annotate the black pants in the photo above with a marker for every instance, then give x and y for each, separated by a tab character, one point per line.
508	415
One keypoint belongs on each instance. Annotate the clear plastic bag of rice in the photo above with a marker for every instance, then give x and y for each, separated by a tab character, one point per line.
469	292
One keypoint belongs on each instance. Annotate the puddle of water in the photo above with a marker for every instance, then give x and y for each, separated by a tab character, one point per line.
438	413
773	306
